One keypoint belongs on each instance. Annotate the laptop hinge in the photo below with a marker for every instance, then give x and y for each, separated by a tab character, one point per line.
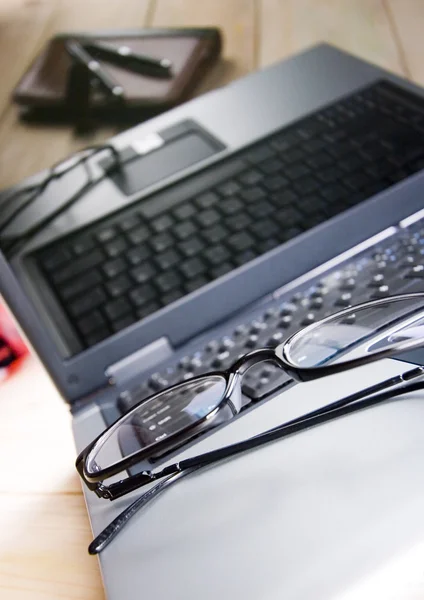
139	361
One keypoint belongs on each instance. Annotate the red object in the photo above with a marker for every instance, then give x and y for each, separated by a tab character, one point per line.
12	347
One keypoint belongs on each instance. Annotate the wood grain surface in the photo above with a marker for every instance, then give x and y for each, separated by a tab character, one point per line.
44	529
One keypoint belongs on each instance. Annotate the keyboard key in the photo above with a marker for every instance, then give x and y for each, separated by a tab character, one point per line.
231	206
207	200
168	281
222	269
137	255
78	266
193	267
97	336
184	230
60	257
129	223
117	308
162	223
116	247
191	246
172	296
89	301
123	323
250	177
139	235
168	259
217	254
139	296
161	242
118	286
215	234
241	241
84	283
94	320
195	284
184	211
83	245
106	234
229	188
114	267
208	217
147	309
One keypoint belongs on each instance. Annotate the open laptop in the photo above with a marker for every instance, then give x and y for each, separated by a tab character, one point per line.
234	220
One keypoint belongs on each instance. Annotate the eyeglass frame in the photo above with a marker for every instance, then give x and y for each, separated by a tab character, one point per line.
232	376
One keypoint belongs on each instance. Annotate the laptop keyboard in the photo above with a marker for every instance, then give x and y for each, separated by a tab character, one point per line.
394	267
118	271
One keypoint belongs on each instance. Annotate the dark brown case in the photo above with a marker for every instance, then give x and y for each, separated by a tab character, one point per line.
42	91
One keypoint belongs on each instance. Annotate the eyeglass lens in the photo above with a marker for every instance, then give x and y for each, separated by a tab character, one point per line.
159	418
358	332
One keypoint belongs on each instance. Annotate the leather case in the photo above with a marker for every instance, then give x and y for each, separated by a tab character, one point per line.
42	92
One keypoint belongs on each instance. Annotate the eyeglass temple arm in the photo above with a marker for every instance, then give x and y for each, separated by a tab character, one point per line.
384	390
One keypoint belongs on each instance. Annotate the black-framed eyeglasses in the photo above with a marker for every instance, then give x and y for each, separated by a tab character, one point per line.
350	338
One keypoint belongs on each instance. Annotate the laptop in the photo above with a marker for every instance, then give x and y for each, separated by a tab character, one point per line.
232	221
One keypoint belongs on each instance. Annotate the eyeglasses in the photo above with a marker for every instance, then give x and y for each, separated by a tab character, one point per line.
350	338
16	202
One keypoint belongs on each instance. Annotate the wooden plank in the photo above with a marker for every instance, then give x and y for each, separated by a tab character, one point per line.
22	31
407	17
28	149
43	549
235	18
361	27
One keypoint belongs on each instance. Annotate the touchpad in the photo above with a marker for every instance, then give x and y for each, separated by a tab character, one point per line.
155	158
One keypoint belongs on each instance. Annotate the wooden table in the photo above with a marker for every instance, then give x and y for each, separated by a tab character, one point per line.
44	529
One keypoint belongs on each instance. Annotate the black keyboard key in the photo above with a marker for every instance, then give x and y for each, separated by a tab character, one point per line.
139	235
241	241
116	247
97	336
168	281
207	200
106	235
193	267
84	283
245	257
139	296
306	185
263	380
161	242
271	166
137	255
208	217
83	245
94	320
172	296
259	154
261	209
113	267
217	254
58	258
78	266
168	259
147	309
123	323
253	194
117	308
89	301
195	284
184	230
238	222
129	223
276	183
215	234
184	211
250	177
264	229
223	269
118	286
191	246
162	223
229	188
